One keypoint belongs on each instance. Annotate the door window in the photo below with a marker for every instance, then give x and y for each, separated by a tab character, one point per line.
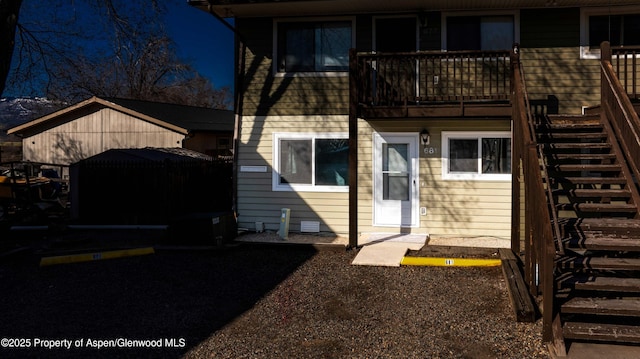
395	172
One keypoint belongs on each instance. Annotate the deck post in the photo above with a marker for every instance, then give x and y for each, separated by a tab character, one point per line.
353	148
515	153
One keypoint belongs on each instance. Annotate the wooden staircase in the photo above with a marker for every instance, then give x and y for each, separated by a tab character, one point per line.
594	208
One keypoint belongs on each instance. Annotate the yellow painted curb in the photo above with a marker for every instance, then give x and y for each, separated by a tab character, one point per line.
450	262
87	257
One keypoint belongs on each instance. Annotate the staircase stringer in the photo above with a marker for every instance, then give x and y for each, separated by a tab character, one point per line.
557	235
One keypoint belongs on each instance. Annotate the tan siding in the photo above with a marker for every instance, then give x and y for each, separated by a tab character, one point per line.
550	27
550	40
454	208
256	199
266	94
561	73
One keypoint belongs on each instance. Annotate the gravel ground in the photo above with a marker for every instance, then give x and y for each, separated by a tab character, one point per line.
257	301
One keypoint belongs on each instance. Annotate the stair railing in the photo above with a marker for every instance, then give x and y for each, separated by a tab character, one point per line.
626	63
540	248
619	113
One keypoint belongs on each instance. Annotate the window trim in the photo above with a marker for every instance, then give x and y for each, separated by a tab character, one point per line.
445	15
275	57
446	175
585	13
276	186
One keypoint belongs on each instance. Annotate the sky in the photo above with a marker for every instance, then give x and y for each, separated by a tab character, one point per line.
201	40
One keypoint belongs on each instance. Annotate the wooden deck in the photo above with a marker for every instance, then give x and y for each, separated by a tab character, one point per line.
466	109
465	84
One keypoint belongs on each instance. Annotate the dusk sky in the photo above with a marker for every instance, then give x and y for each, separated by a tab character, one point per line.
200	38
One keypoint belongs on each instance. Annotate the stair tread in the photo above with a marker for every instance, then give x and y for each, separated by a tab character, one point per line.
578	145
606	225
581	156
626	307
585	167
603	332
593	192
595	241
569	123
573	117
598	207
599	263
589	180
600	283
573	135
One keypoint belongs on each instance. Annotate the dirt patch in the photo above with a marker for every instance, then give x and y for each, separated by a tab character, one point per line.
263	302
455	252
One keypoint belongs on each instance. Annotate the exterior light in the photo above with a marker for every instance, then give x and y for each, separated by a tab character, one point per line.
425	138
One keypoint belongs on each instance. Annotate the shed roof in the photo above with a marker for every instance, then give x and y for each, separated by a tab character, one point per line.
148	154
189	117
179	118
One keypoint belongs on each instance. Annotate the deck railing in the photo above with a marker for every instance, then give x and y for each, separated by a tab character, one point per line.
527	166
618	110
391	79
624	61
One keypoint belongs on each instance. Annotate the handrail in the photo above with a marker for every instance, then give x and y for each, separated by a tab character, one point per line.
625	59
622	116
389	79
540	249
539	151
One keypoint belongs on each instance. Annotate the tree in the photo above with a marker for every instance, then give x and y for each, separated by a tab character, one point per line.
146	69
9	11
122	50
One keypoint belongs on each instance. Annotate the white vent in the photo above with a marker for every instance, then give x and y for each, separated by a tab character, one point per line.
310	226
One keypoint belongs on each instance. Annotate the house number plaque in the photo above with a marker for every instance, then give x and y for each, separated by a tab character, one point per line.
429	150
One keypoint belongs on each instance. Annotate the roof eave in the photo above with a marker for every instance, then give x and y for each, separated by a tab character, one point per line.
273	8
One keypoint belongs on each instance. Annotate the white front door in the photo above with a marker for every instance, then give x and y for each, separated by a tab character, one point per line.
395	185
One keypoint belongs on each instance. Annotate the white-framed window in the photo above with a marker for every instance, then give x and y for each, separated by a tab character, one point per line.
476	156
480	31
620	25
312	46
311	162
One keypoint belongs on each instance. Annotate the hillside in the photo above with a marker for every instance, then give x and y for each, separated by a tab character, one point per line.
16	111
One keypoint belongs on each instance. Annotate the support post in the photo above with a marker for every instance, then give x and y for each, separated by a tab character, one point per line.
353	148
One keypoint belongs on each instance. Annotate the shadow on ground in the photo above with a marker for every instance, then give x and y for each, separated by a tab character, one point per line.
181	295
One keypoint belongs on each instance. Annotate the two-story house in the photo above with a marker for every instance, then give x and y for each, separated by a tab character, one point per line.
433	157
412	117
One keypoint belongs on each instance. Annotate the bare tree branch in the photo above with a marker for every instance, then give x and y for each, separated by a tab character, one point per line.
124	53
9	11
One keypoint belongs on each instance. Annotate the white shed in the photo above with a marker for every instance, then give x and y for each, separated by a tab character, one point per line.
97	125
